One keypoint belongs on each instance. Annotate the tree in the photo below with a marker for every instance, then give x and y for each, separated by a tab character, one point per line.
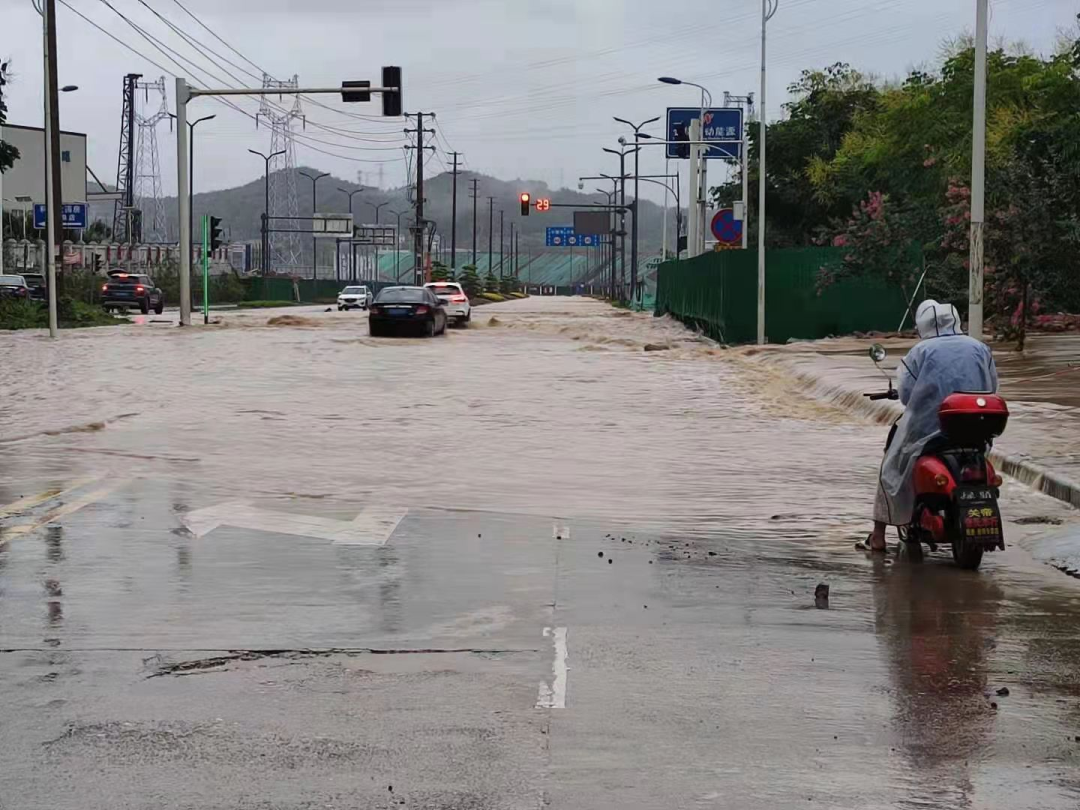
98	231
440	272
491	282
470	281
8	153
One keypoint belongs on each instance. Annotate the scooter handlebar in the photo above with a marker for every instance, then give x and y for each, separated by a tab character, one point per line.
885	395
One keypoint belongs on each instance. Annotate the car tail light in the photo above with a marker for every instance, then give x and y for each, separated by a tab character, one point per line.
104	287
421	310
972	474
140	288
457	299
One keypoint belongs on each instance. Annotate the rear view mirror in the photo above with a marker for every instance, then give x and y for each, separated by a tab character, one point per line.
878	353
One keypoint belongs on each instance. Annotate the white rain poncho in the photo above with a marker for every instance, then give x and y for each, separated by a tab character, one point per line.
945	361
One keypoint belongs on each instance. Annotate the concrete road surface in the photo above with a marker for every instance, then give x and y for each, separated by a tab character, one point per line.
527	565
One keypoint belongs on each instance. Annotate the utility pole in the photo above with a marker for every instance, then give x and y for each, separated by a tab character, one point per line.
978	177
768	9
512	231
517	255
502	244
420	226
475	190
453	214
491	231
53	198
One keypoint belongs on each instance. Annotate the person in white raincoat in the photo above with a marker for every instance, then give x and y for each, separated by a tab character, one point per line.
945	361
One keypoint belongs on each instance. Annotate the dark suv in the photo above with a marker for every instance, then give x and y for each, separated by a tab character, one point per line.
127	291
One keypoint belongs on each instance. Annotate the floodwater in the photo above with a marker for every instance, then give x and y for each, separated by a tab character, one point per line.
579	570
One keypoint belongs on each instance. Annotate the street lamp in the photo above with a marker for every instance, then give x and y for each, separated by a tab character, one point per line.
397	243
266	210
378	207
634	240
314	204
352	246
622	203
697	167
191	169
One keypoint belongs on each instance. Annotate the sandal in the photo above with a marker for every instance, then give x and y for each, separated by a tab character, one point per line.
865	545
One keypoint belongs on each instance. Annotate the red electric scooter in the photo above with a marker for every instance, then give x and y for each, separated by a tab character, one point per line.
956	486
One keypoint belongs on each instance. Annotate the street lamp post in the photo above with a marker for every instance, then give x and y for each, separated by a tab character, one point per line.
698	174
397	245
978	177
377	208
352	245
622	213
314	205
266	209
191	168
634	240
611	235
768	10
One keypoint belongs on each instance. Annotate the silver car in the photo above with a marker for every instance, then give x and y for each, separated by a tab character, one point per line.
358	297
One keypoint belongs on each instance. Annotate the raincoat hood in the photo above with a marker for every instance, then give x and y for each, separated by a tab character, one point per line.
937	320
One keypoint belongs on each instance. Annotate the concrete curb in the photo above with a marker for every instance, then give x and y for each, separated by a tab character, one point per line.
885	412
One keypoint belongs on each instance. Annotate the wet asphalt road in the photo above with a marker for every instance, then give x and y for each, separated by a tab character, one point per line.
231	615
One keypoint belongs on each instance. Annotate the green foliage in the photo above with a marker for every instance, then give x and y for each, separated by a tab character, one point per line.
70	314
508	284
491	282
882	171
470	281
98	232
8	153
440	272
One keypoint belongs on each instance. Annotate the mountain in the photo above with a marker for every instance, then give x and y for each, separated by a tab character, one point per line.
240	209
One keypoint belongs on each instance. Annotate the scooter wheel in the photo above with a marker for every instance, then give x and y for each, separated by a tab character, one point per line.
967	556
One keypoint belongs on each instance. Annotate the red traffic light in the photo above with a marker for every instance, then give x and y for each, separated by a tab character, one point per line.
526	203
525	198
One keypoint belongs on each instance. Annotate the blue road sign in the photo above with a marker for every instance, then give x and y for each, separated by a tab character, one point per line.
722	124
726	228
565	236
73	216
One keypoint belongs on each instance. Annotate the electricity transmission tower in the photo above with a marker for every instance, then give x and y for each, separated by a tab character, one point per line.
147	184
284	247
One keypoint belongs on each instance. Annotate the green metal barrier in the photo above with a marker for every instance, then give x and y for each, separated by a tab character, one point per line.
717	293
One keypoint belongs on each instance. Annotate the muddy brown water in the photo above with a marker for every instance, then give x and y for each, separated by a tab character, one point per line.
700	670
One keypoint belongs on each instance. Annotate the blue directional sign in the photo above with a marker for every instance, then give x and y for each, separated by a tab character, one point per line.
72	215
722	124
566	237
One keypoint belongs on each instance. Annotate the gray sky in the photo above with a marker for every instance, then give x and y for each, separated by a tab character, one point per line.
524	88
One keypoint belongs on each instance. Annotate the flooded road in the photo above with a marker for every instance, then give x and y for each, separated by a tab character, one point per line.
529	564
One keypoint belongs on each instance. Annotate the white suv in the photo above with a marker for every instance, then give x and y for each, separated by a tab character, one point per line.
359	297
455	301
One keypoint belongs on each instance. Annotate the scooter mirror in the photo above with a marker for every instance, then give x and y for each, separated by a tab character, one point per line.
878	353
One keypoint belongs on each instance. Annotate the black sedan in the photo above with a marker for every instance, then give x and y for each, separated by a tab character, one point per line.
415	309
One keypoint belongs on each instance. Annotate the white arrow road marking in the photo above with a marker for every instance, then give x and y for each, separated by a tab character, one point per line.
554	696
372	527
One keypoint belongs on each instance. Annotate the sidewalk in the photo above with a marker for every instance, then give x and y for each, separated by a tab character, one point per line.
1041	446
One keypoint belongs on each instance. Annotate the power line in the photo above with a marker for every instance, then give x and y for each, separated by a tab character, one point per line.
220	100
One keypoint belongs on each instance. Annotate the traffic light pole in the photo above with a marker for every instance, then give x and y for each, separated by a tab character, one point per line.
185	93
206	268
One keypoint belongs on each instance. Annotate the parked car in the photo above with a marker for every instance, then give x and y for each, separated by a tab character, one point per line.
357	297
14	287
455	301
39	289
130	290
416	309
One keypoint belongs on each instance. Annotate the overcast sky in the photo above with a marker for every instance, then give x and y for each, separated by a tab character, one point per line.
524	88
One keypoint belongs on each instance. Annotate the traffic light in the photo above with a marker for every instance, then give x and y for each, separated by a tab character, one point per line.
217	238
526	203
354	91
391	101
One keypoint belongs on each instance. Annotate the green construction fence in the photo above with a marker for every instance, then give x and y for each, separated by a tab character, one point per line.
717	293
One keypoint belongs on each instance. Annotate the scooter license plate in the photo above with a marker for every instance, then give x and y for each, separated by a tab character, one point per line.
980	517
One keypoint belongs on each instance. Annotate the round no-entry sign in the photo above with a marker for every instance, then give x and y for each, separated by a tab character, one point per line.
726	228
